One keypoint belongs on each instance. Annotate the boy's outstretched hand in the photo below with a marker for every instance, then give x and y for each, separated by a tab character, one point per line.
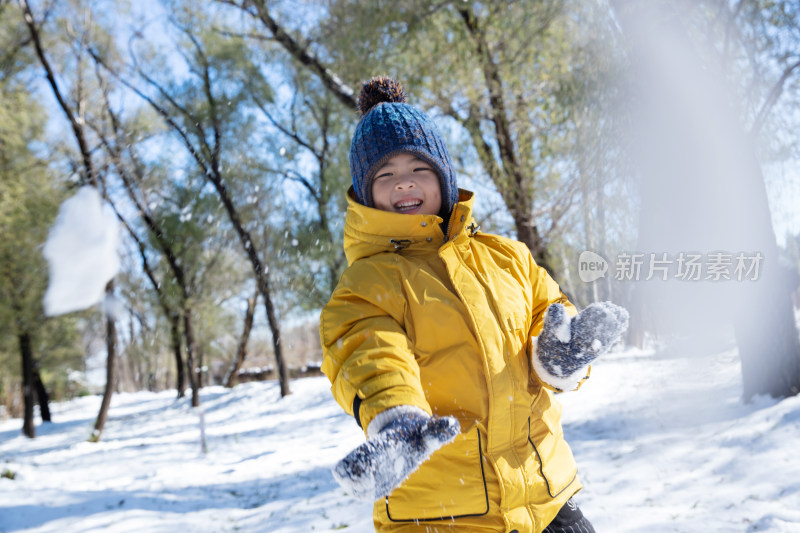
567	345
377	467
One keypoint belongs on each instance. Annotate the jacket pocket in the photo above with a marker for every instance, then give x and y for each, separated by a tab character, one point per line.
556	463
451	484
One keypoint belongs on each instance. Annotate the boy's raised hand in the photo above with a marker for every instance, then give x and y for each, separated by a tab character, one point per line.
399	447
567	345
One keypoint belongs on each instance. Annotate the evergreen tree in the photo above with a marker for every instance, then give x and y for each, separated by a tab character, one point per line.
29	197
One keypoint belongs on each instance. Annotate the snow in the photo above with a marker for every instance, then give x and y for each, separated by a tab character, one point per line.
663	442
562	332
267	467
81	252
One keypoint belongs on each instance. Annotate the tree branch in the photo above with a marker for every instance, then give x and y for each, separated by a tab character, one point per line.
294	176
343	92
212	102
516	198
472	124
160	110
732	16
772	98
77	127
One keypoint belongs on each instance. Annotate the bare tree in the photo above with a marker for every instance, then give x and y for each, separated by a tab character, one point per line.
90	176
203	137
131	172
311	125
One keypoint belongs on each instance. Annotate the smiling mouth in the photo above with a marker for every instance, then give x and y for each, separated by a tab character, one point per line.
407	205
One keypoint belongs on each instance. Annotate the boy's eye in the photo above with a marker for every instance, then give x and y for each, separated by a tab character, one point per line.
384	175
421	169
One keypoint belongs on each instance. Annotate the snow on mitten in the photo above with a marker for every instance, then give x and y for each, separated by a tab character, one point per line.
400	440
567	345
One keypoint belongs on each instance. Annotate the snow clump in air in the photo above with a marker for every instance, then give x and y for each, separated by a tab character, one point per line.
81	252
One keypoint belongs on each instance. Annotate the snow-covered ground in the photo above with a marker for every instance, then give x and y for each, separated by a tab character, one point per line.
664	444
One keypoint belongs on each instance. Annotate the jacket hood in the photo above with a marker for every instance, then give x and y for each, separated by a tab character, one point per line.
369	231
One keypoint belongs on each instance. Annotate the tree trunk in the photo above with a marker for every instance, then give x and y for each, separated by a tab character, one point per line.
191	364
607	293
175	341
200	371
638	314
241	352
283	372
768	347
570	287
28	428
766	331
42	397
586	209
528	233
111	364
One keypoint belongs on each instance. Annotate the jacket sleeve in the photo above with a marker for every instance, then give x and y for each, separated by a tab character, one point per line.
544	292
367	355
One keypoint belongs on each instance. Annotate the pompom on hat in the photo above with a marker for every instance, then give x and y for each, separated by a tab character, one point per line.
389	126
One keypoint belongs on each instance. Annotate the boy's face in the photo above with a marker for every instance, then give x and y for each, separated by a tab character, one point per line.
406	184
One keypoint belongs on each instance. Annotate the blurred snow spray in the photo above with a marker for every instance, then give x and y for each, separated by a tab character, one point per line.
81	252
702	191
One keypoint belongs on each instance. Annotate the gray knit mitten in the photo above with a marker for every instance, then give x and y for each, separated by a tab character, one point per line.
567	345
394	452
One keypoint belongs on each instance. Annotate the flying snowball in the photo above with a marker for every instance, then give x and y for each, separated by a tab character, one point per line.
81	252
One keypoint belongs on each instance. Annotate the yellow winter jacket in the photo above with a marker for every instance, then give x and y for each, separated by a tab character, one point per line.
444	325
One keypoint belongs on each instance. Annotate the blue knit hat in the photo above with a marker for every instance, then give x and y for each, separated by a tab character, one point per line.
389	126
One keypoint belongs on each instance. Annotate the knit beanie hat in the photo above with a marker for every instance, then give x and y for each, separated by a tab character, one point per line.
389	126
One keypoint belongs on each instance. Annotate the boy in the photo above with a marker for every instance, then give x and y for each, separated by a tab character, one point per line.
437	341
